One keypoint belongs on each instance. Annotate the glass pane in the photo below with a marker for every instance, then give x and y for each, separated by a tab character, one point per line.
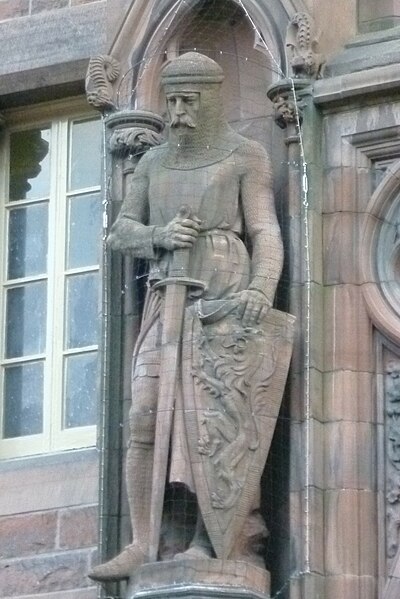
26	320
29	164
80	390
85	155
82	310
27	241
85	228
23	400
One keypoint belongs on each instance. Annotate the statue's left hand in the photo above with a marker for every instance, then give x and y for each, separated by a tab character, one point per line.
253	306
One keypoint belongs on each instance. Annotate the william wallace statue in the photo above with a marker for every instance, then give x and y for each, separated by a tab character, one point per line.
212	355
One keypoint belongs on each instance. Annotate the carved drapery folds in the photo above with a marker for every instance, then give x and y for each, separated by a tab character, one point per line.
392	416
102	73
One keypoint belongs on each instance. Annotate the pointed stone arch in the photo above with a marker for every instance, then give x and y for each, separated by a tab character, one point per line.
149	25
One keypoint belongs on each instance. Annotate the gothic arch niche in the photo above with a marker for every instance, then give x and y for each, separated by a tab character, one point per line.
222	30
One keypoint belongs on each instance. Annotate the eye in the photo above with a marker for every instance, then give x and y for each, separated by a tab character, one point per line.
171	100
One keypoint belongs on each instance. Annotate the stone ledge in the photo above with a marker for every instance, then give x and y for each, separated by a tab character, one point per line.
342	87
64	35
199	578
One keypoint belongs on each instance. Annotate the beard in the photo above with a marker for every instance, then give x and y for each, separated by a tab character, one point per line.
182	121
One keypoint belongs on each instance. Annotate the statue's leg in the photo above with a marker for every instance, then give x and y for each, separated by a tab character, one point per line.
139	466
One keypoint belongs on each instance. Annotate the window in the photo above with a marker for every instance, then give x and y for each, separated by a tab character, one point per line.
51	224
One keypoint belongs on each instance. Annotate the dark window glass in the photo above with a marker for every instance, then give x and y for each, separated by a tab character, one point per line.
27	241
80	390
84	227
29	164
82	310
26	320
85	152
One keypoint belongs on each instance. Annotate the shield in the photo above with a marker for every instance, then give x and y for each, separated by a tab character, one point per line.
233	382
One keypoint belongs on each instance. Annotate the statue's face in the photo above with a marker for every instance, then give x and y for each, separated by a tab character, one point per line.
183	109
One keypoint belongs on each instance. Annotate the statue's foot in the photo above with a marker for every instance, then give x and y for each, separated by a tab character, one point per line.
121	566
195	552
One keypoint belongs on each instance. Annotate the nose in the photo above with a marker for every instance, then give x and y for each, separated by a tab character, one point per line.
179	107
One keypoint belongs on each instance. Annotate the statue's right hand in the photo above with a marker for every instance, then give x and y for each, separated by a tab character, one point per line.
180	232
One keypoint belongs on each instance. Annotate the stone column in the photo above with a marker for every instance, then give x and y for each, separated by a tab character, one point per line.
305	276
128	135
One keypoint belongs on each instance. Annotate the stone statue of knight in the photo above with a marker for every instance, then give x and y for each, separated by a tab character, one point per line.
235	348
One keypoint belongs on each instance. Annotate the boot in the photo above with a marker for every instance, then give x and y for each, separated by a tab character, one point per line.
139	468
200	546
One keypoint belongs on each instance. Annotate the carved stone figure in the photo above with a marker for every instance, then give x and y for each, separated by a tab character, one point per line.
102	72
392	400
301	43
211	359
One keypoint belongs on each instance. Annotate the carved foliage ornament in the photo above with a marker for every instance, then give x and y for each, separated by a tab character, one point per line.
102	72
133	141
301	43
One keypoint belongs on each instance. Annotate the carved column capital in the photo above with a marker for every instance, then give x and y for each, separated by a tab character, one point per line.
131	134
288	110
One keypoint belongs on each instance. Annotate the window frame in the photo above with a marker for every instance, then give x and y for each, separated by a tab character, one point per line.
57	115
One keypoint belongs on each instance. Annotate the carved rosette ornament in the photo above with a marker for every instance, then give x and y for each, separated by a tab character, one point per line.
392	414
103	71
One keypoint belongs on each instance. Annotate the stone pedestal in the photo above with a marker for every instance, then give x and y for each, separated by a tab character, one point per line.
200	579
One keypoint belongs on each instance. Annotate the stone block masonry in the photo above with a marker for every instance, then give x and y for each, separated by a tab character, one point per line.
49	551
14	9
48	526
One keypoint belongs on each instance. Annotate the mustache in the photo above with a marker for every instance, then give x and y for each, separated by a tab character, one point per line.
184	121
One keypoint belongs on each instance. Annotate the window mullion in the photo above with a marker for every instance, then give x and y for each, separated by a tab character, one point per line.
56	286
4	160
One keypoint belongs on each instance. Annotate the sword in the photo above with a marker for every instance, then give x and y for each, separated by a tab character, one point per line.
176	286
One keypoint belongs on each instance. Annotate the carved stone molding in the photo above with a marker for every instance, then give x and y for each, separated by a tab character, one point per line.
301	43
392	426
380	255
103	71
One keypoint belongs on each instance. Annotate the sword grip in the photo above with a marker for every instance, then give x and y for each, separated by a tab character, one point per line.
181	256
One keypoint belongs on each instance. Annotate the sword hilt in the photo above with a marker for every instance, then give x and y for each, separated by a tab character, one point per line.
179	269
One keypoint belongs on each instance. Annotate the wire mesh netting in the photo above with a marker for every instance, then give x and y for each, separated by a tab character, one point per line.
223	350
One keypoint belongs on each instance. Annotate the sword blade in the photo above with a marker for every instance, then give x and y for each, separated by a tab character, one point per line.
174	308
